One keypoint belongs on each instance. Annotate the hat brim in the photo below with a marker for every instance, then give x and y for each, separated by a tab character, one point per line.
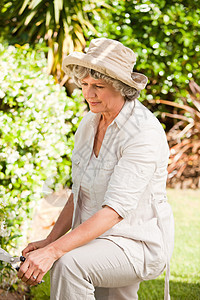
136	80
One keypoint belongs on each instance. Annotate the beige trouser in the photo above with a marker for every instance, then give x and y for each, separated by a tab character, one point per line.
99	270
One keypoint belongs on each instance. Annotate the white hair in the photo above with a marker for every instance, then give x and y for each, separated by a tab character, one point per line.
78	73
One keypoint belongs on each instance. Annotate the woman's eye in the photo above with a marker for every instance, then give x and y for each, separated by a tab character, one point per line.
99	86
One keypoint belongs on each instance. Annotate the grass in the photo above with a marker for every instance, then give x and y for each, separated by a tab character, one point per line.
185	263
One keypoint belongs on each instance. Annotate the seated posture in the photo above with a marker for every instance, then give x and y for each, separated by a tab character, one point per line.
121	223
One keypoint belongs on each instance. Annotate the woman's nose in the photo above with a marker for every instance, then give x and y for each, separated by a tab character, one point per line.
90	93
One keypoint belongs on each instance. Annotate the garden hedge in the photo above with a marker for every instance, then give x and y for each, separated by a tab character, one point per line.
37	125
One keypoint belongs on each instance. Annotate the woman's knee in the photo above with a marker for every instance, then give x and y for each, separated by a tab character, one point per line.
68	277
63	264
68	266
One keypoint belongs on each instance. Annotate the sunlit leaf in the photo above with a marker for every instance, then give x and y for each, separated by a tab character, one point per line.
68	20
48	18
35	3
25	4
30	17
80	35
50	60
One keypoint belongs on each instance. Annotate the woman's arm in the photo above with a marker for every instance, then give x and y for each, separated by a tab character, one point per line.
95	226
64	221
38	262
62	225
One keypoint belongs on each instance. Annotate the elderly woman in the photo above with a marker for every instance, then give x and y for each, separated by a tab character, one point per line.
122	225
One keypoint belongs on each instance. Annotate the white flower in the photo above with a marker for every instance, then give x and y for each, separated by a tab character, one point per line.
24	194
3	229
2	94
12	156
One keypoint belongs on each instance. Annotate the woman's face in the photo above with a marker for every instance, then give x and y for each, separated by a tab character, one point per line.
101	96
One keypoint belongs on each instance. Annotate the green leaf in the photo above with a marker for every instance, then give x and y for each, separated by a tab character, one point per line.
58	6
48	18
25	4
30	17
35	3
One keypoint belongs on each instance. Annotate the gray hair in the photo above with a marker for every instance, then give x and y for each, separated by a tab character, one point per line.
78	73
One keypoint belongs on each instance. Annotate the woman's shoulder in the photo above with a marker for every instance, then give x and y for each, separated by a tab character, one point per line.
143	118
142	127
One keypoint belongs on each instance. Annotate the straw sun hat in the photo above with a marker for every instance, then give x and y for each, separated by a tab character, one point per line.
108	57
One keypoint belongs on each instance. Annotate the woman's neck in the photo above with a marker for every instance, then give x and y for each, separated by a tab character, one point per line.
108	117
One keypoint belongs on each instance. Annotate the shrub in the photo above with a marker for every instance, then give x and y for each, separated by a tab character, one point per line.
37	124
165	36
60	23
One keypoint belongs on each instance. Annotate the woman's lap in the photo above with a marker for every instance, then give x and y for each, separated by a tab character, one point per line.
100	265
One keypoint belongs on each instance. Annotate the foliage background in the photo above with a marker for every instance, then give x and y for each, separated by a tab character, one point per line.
38	120
62	24
37	124
164	34
166	37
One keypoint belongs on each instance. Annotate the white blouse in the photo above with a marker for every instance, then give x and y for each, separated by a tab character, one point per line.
88	207
129	175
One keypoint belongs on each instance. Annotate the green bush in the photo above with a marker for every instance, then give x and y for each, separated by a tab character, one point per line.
166	37
37	124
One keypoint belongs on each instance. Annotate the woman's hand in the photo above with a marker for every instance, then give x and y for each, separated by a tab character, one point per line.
35	245
37	264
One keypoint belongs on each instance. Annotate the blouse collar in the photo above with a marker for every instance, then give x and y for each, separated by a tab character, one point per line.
120	119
